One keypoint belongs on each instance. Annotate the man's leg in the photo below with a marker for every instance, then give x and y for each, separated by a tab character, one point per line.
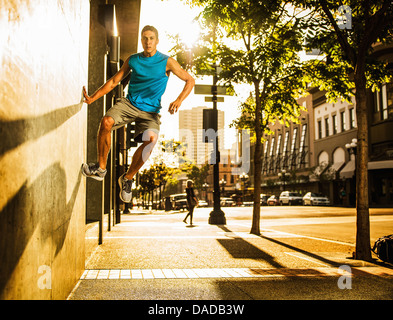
104	140
139	158
142	153
97	170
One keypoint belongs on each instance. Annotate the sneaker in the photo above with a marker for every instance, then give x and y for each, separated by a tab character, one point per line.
93	170
125	189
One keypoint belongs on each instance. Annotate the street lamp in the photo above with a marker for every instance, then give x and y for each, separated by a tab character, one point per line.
352	151
284	176
352	148
243	177
222	185
205	186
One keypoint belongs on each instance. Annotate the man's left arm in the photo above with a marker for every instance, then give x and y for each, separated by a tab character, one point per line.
174	66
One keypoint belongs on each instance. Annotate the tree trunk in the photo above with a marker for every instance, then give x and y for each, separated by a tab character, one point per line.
363	249
255	229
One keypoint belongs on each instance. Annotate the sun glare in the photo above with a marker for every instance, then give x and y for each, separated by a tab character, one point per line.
190	33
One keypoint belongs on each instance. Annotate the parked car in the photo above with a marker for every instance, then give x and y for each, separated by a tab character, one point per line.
179	201
226	202
264	198
248	203
202	203
290	198
273	201
315	199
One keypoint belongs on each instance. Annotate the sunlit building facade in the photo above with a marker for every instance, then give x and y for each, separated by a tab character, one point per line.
316	153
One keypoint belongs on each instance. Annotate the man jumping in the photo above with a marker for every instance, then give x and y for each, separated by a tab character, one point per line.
150	70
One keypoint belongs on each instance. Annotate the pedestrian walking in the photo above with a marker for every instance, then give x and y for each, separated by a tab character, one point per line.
192	200
150	71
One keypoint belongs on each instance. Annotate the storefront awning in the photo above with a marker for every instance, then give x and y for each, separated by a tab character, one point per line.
375	165
348	171
337	166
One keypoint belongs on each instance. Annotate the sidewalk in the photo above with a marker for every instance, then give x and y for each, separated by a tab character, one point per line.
158	257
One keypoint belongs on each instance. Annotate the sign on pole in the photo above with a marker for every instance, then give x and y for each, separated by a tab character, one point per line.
210	99
208	89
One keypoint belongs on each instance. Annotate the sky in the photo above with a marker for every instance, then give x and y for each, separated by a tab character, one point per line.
172	17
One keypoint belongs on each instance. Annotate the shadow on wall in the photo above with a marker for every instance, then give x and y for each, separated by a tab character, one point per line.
41	210
35	221
15	132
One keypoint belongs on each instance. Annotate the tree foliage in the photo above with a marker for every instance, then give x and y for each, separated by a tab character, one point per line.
350	67
264	36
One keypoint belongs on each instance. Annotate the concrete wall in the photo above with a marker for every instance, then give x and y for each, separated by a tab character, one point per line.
44	64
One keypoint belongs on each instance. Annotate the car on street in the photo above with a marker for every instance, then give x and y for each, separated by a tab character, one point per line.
315	199
248	203
272	201
179	201
202	203
290	198
227	202
264	198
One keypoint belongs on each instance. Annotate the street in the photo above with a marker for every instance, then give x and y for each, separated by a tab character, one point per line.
334	223
330	223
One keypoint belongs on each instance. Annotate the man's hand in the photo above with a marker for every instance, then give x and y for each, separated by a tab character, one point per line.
88	99
174	106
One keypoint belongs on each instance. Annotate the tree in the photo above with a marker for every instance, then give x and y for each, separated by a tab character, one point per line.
198	175
146	182
267	38
349	68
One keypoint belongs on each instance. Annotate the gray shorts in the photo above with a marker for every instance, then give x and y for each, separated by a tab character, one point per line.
124	112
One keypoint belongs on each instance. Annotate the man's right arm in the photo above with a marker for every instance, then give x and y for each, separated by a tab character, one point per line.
109	85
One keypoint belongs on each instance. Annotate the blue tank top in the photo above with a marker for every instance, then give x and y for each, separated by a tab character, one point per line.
148	81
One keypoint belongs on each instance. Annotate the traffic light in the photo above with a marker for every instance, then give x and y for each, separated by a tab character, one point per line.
130	136
209	122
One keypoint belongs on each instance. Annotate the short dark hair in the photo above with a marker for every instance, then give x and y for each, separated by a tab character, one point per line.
150	28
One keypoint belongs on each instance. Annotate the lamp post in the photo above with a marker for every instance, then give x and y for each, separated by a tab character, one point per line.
352	151
243	177
205	186
284	176
217	216
352	148
222	185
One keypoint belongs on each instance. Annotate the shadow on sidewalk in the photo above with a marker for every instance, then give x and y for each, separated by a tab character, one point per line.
241	249
309	254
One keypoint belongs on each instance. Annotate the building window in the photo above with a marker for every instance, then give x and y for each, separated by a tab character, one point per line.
278	144
319	129
271	160
352	118
285	151
293	148
278	155
342	117
334	118
265	163
387	101
302	152
383	103
377	106
326	127
294	136
271	147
